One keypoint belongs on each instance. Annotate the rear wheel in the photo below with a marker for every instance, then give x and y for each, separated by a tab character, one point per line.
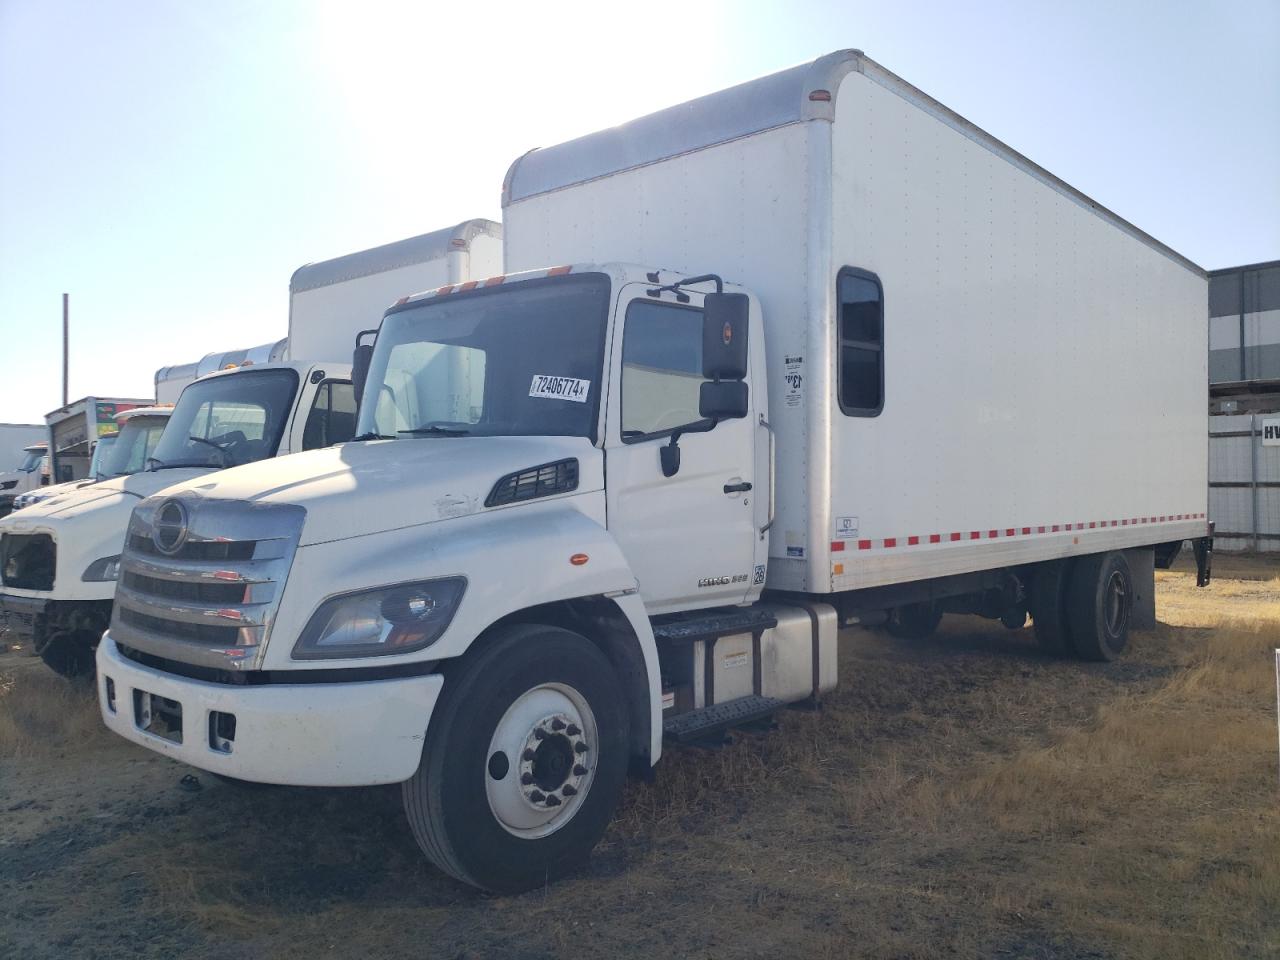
1099	605
524	761
1048	605
915	621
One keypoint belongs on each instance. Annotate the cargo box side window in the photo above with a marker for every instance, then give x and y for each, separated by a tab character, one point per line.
860	333
661	369
333	416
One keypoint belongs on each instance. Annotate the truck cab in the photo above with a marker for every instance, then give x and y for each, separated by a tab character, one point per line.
552	528
59	558
28	474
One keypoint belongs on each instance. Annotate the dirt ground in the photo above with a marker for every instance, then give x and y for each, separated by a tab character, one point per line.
961	797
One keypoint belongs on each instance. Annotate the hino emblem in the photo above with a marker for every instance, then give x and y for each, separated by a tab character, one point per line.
170	528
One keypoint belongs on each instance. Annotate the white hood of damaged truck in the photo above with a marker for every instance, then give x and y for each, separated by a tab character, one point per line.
375	486
133	488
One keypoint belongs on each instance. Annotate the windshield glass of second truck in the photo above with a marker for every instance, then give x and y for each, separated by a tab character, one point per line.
131	449
521	360
226	421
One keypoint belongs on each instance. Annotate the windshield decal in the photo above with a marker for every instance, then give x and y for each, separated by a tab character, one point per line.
560	388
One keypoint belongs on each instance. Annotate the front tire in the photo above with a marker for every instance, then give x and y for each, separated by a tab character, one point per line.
524	761
69	653
1099	605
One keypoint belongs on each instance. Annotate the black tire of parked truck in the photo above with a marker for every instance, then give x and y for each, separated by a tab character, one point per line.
1048	607
1100	605
915	621
524	761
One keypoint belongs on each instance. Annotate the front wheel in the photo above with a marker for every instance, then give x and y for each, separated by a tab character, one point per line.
524	762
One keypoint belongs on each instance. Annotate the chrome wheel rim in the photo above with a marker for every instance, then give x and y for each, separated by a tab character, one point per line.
541	760
1115	602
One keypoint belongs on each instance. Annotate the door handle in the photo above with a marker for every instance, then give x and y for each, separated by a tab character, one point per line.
737	487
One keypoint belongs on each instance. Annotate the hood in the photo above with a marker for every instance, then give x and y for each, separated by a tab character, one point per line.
375	486
80	494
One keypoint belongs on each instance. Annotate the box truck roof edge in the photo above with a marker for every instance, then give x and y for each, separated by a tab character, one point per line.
804	92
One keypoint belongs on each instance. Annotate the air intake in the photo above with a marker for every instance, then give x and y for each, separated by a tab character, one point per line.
541	481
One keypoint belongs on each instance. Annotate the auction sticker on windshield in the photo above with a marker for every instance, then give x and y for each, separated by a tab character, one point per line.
560	388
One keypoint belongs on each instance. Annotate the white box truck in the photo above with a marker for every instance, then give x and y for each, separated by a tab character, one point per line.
59	560
609	497
170	380
19	460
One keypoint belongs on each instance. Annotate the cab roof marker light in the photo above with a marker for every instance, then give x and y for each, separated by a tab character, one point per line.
441	291
820	95
469	285
402	301
559	271
495	281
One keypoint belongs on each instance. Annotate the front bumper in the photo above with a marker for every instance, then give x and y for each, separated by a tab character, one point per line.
306	734
19	613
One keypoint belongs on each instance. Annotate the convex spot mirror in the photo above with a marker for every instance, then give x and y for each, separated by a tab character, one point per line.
724	336
723	400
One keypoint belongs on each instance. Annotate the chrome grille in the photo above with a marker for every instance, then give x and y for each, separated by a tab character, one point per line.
209	601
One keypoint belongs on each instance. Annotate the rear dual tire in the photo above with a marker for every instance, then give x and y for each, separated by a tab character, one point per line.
525	760
1082	607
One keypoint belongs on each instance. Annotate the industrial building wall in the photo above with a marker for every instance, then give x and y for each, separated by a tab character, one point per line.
1244	481
1244	323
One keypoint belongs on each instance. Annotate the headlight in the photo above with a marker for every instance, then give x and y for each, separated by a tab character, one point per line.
381	622
103	569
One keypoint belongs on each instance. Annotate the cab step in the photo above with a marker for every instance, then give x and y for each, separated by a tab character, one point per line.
700	724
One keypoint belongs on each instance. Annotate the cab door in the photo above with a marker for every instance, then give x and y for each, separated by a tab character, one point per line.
691	538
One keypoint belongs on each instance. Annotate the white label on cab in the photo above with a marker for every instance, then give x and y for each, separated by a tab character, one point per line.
559	388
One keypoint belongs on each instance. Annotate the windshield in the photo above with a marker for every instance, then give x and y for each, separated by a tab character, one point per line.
227	421
30	460
104	444
136	443
523	360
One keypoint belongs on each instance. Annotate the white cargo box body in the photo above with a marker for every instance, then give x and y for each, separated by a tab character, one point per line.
327	300
1044	360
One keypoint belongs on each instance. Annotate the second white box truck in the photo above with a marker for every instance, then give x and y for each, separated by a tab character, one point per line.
608	497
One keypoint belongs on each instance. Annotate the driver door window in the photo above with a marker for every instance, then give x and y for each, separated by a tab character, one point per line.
661	369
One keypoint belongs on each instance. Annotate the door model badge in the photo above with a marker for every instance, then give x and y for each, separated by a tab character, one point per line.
722	581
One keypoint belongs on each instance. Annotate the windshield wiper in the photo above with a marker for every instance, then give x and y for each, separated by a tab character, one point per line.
372	436
435	430
222	451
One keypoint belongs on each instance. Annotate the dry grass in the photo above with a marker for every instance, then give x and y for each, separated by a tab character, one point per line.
42	714
963	797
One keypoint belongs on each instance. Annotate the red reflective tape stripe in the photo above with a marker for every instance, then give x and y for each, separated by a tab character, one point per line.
1055	528
955	537
935	538
864	544
1010	532
837	546
912	541
975	535
891	541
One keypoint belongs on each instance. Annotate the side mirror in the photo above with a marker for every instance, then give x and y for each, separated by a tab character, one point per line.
724	336
722	400
361	357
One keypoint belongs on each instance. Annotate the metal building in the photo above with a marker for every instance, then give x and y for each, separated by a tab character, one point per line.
1244	400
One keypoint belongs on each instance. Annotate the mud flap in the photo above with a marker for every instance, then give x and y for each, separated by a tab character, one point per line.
1204	558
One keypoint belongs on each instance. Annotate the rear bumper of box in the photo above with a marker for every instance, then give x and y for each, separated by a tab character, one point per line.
306	734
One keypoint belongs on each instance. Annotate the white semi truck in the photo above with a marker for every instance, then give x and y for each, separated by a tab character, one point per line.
22	450
607	497
59	560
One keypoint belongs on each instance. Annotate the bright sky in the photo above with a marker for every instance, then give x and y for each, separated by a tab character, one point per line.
170	164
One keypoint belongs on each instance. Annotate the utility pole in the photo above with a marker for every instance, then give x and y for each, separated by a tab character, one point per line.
65	336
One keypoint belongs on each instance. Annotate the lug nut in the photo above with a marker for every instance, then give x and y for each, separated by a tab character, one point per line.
569	790
553	801
537	796
579	770
573	730
526	778
557	724
579	747
528	755
540	733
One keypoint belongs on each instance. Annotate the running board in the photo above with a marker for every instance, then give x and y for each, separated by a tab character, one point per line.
698	724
